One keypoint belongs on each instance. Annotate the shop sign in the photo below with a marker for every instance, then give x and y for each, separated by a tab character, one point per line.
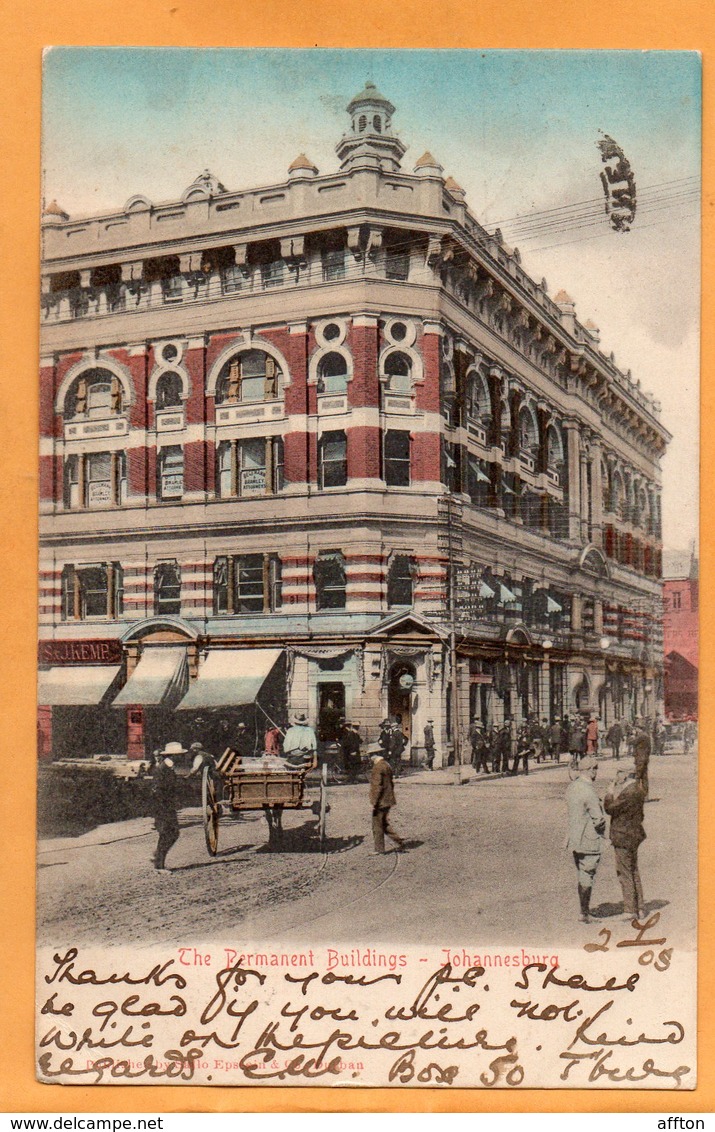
56	653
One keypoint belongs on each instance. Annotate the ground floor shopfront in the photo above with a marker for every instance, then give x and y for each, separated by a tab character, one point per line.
162	681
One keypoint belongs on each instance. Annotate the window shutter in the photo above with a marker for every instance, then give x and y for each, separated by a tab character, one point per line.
270	388
80	403
234	380
116	394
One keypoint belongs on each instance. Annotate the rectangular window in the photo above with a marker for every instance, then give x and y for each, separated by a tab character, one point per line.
172	289
252	467
275	582
330	580
72	493
249	467
171	472
231	279
249	583
333	264
93	592
397	264
99	479
676	600
397	458
99	399
272	273
333	459
69	586
167	588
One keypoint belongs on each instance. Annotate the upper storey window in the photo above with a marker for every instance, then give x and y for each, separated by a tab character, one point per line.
398	370
479	407
332	373
95	393
333	264
168	390
250	376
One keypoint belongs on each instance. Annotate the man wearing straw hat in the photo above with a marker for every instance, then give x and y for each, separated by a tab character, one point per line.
164	799
300	746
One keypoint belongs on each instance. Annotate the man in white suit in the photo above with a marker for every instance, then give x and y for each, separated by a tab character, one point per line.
587	824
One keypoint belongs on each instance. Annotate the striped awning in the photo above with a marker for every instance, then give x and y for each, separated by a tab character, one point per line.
230	678
75	686
159	678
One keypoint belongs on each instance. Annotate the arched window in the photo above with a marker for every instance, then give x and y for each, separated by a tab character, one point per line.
479	406
528	431
400	577
95	393
332	373
398	371
168	390
249	376
362	123
377	124
619	496
554	448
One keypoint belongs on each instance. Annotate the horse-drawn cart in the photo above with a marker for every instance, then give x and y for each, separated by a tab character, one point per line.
229	786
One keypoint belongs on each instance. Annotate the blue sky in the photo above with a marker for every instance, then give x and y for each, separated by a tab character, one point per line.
518	130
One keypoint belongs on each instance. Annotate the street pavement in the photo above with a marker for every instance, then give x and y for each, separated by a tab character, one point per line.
485	865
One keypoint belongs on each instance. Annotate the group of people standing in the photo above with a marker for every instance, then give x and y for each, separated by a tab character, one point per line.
503	748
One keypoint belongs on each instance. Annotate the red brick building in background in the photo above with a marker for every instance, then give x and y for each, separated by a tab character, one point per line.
680	641
327	443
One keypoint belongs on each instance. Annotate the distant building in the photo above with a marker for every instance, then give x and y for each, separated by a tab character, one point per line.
680	641
327	443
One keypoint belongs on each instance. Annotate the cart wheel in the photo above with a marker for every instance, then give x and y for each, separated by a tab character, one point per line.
211	810
323	804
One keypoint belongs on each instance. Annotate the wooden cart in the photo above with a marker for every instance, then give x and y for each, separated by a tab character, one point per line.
227	788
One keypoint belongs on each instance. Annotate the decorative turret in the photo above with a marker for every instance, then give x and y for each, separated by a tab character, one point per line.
302	167
428	166
54	214
370	142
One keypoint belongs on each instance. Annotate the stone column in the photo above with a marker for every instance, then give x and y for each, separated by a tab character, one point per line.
574	479
584	497
596	493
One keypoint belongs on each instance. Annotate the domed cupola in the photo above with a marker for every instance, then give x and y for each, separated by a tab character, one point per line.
370	142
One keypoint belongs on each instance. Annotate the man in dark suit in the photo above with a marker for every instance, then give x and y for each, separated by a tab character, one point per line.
624	802
165	803
641	748
382	799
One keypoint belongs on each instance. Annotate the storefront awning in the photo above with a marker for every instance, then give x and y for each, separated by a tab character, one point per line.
75	686
159	678
230	678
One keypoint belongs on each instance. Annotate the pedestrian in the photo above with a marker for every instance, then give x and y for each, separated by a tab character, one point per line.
382	799
591	737
396	743
690	732
503	747
430	748
350	749
555	740
545	738
586	826
164	802
566	726
242	744
300	745
480	749
524	748
273	740
641	750
659	737
614	738
624	802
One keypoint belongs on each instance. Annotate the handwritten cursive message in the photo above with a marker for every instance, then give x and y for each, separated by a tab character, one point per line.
615	1012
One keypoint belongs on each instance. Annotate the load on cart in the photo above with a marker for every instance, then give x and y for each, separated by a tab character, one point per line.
239	704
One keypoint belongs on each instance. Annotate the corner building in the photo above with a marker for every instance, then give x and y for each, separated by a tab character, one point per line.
326	446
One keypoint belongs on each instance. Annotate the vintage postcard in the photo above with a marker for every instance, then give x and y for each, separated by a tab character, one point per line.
368	655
